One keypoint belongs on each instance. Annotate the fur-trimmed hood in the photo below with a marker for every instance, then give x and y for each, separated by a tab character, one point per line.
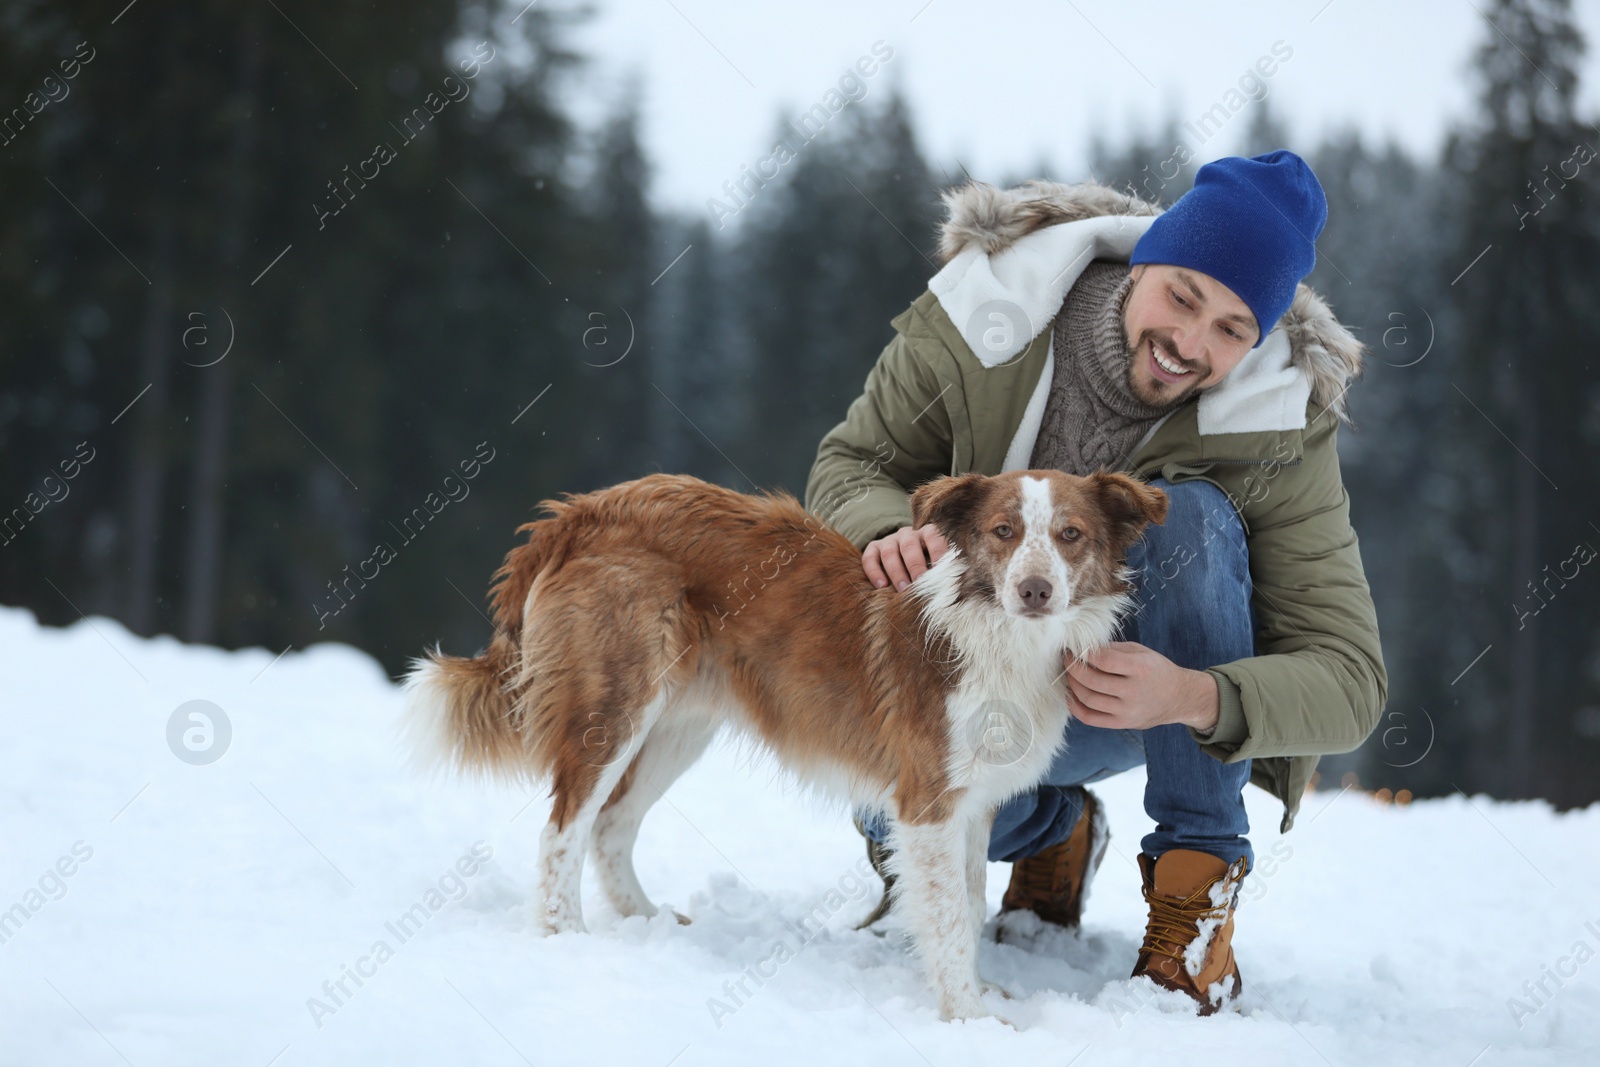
989	220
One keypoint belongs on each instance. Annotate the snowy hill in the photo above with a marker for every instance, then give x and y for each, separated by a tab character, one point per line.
303	899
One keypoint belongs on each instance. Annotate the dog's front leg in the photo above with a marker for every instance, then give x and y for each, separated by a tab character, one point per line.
978	831
933	886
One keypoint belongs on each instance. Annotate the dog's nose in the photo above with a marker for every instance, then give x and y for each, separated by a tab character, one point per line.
1035	592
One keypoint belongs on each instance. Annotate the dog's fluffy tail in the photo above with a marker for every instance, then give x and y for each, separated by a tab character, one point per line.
462	713
460	716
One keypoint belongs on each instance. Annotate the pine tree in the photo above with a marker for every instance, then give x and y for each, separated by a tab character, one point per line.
1266	131
1158	168
1527	255
1378	261
827	254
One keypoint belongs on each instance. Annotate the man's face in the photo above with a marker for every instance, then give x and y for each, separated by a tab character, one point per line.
1193	322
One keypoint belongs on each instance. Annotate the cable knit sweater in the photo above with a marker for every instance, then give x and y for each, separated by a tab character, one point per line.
1091	419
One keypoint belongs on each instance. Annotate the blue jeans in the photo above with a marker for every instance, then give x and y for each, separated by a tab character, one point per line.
1193	605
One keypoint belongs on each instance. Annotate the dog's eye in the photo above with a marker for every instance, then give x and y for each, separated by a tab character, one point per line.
1003	532
1071	533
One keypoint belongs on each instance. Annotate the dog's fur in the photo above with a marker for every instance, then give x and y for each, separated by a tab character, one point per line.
637	620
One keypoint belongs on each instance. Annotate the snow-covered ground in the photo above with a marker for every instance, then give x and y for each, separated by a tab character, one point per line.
160	911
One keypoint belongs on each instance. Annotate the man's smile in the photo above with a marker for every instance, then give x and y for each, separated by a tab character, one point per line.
1165	368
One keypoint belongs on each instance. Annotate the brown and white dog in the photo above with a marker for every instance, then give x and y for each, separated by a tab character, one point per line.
638	620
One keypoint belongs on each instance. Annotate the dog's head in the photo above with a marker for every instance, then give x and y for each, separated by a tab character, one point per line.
1038	542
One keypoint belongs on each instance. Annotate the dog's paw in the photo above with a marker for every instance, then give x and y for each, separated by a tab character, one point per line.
551	919
994	987
972	1008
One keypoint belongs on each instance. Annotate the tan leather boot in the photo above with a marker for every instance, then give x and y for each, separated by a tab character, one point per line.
1188	941
1055	883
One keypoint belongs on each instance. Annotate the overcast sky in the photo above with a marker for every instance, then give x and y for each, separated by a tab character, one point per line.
1003	84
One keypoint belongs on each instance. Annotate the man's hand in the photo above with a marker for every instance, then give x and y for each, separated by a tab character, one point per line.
1127	686
903	556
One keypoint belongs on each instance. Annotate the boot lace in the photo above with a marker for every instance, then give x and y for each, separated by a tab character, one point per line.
1041	874
1177	922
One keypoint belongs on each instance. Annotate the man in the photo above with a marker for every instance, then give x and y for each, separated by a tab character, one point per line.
1076	328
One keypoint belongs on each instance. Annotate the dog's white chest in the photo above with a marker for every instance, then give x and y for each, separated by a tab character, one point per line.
1008	715
1004	732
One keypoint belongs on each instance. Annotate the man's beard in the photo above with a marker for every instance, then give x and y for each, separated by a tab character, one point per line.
1168	394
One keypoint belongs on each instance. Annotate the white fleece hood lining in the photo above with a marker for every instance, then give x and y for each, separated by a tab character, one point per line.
1264	392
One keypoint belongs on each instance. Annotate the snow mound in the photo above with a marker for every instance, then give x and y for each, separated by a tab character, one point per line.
220	856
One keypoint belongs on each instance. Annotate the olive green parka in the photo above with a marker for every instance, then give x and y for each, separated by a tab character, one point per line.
962	387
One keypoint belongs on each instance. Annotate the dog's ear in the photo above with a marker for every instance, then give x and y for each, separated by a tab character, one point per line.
947	502
1130	505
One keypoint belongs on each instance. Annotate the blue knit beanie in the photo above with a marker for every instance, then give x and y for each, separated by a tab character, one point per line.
1251	224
